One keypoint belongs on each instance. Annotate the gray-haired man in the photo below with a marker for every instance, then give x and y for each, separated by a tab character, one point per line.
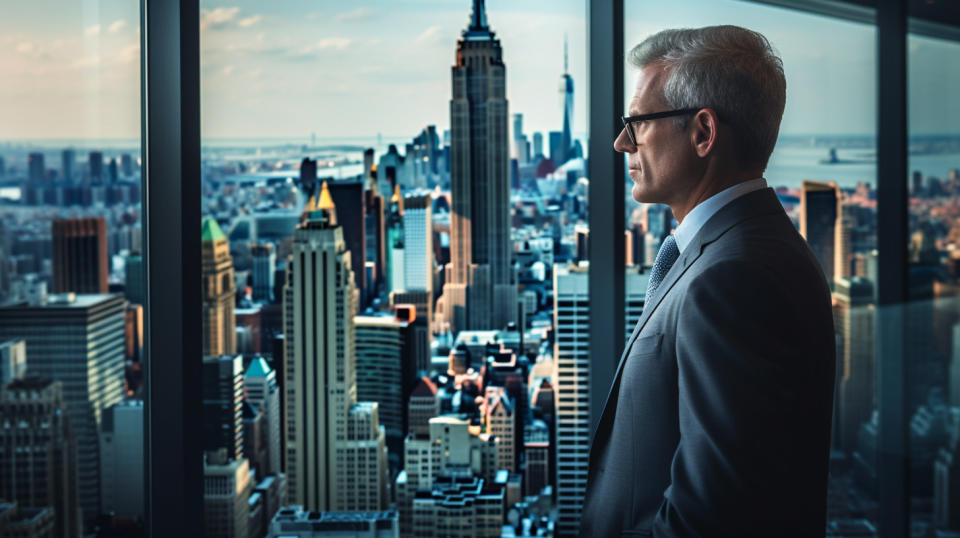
718	420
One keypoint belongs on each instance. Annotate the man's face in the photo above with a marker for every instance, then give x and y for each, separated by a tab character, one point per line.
658	164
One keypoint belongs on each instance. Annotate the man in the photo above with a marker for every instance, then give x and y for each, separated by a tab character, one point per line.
718	420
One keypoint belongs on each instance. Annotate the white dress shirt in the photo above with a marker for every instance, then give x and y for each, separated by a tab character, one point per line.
700	214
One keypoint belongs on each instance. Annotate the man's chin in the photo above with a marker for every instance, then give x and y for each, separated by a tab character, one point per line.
641	196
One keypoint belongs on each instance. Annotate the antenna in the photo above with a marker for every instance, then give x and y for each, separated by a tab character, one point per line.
565	69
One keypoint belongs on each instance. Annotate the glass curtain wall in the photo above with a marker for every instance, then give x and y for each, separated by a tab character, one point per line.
394	264
823	169
71	273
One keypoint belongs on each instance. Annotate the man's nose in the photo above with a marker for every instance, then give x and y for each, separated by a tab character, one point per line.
622	143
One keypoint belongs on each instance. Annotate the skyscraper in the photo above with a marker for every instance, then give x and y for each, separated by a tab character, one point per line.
38	170
13	360
80	255
262	390
69	158
38	466
121	459
95	163
566	97
481	291
320	301
264	271
854	318
395	242
79	341
348	196
219	322
223	404
819	203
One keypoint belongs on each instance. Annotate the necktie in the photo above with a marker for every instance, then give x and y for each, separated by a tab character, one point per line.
666	256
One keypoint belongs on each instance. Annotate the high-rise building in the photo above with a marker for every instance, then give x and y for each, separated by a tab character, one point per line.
843	239
571	318
819	209
854	318
480	290
261	389
219	321
134	279
121	460
323	427
386	373
566	97
79	341
126	164
95	164
536	448
264	271
37	168
13	360
418	244
348	197
226	495
500	418
80	255
423	405
538	145
374	224
38	466
395	243
223	404
69	164
555	140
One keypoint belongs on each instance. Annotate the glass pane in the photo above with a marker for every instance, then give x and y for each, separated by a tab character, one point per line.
71	278
933	312
823	170
393	199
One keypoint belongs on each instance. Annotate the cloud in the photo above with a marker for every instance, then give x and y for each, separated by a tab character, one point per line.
29	49
429	34
249	21
116	26
210	18
361	13
89	61
227	70
130	53
92	30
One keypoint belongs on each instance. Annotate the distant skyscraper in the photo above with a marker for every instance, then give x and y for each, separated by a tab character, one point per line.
134	280
481	290
819	204
38	170
264	271
226	496
500	418
85	353
219	322
536	447
395	243
38	462
95	163
223	404
80	255
374	224
121	459
262	390
854	319
13	360
659	220
418	244
566	97
538	144
319	306
308	174
557	155
347	195
126	163
69	164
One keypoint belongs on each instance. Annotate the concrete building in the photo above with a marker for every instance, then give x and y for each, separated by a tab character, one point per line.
422	406
459	507
79	341
226	494
219	325
262	391
38	466
500	419
122	460
536	444
481	289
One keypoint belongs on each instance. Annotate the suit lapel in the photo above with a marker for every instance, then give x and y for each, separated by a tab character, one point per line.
761	202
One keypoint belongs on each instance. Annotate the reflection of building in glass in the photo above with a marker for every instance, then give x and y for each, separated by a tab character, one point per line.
121	459
480	290
79	341
819	208
854	318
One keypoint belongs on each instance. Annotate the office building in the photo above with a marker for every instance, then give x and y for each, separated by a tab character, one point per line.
418	244
347	195
536	449
122	460
501	421
69	164
263	392
538	146
13	360
37	168
480	290
80	255
423	405
95	165
134	279
819	209
395	264
219	323
223	404
38	466
854	319
295	522
374	224
323	428
264	271
79	341
459	507
226	493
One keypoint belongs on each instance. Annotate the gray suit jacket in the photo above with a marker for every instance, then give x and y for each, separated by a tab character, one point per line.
718	420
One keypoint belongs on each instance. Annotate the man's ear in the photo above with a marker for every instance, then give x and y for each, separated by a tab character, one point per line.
705	124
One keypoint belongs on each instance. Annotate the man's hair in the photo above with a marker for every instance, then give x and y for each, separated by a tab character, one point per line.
730	69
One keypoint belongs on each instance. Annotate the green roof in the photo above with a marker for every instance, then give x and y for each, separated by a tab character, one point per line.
211	231
258	368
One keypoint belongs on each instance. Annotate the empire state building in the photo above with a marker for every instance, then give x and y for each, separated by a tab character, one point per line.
480	290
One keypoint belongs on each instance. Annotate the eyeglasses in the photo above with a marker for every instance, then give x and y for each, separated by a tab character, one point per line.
627	120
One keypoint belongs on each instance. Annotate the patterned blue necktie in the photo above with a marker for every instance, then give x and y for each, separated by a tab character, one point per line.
666	256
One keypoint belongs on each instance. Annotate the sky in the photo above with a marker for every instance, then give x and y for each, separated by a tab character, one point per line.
366	67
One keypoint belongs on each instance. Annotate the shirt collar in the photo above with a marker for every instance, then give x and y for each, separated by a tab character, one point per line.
700	214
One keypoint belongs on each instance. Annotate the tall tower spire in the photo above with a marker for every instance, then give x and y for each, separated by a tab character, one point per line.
479	16
565	63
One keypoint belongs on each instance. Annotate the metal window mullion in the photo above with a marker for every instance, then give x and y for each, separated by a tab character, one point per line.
170	138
